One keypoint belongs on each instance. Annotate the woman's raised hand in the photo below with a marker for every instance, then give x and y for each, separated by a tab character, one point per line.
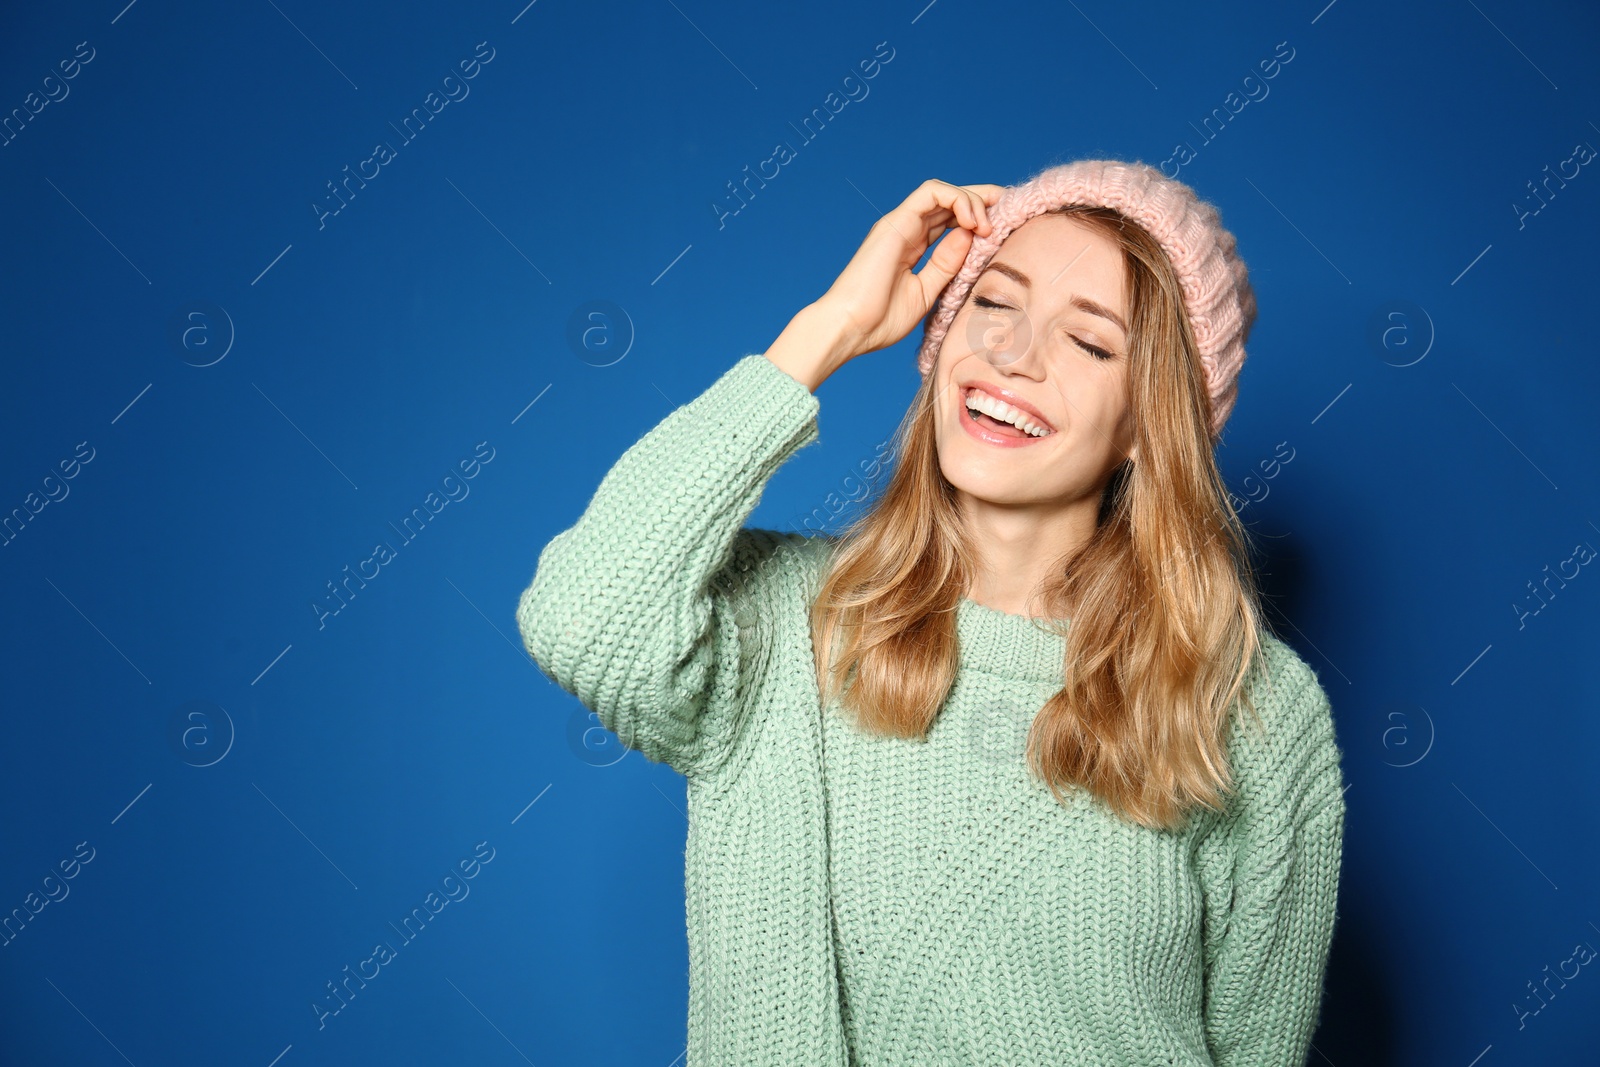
877	299
877	294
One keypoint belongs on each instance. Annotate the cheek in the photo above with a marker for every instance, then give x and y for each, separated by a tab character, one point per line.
1107	397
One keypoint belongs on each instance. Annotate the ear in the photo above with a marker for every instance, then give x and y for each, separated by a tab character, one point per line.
1133	453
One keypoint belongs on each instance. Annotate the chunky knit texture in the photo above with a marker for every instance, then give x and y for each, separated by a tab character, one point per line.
877	901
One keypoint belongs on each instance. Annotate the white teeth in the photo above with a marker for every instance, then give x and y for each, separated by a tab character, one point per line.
979	400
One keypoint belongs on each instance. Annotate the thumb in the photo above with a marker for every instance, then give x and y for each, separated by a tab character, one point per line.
948	256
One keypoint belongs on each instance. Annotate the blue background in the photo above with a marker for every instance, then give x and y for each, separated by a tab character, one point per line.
264	389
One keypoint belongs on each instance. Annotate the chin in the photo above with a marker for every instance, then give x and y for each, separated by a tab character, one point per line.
990	482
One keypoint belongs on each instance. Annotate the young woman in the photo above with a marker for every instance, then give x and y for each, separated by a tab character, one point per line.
965	784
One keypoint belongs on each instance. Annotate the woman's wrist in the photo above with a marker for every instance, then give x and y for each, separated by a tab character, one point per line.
812	346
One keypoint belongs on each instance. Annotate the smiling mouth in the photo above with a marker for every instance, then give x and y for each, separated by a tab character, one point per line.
997	417
989	422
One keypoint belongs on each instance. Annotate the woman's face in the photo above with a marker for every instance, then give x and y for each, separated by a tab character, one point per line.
1053	294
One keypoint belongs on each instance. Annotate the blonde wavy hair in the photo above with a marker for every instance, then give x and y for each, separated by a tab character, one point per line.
1165	615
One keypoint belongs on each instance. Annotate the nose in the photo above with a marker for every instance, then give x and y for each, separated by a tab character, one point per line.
1004	338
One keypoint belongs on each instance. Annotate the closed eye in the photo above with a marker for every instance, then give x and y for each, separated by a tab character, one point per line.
1098	353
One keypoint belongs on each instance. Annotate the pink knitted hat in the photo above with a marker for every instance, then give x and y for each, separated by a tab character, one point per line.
1216	286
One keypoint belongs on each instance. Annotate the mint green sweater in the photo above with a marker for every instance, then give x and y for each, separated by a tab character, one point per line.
854	899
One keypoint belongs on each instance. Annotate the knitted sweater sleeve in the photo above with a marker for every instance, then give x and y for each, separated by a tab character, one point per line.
641	608
1270	929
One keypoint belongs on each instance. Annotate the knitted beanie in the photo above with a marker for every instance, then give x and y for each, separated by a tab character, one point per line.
1216	287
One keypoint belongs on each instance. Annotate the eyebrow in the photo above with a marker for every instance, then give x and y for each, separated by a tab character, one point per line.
1082	303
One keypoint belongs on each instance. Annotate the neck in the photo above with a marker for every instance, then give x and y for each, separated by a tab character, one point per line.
1020	546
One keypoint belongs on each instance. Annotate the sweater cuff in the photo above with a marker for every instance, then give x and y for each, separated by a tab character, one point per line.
770	402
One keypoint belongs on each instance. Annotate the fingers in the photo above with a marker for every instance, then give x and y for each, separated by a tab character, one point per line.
879	287
936	225
947	258
975	200
967	205
934	207
959	202
970	208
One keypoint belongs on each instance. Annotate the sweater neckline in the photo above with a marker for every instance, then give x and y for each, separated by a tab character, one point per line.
1014	646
